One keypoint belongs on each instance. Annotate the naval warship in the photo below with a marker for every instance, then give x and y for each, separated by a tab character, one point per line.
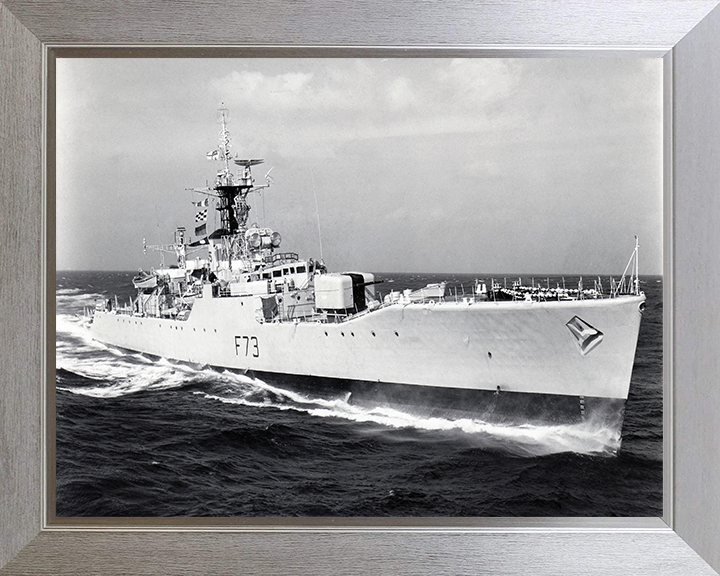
235	300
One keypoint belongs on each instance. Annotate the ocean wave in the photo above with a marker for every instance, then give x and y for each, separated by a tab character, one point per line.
67	291
123	372
520	439
72	332
76	302
130	382
120	374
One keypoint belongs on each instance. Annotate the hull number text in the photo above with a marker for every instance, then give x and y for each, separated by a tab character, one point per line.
247	346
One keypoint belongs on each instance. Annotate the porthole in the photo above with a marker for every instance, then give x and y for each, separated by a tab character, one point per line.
326	334
373	333
342	334
396	334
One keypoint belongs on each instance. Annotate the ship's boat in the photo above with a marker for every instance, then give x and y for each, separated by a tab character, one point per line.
236	300
145	280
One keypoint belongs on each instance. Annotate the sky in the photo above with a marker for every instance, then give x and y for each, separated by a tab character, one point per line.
477	165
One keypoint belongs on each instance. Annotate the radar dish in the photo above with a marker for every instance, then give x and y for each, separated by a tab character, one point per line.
248	162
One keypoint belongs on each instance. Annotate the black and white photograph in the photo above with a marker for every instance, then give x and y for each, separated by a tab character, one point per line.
359	287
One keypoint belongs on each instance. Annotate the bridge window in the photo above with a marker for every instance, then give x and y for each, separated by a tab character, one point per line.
277	273
300	269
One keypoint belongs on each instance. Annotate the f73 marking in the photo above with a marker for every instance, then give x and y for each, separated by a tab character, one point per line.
249	344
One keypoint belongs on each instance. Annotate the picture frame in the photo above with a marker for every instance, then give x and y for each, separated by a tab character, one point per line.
685	541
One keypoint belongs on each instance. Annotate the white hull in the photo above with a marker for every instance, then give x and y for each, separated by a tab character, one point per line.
508	346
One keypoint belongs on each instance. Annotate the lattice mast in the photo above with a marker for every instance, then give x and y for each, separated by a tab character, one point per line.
232	191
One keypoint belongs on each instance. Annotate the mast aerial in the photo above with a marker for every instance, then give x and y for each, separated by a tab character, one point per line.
225	144
232	192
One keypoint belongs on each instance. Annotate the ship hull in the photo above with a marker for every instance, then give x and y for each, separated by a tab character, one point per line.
530	357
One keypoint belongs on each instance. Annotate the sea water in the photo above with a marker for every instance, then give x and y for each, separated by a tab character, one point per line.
139	436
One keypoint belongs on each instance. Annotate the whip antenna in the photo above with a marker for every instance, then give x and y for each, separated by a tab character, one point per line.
317	213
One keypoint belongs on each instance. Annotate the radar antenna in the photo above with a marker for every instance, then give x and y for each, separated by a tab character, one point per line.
232	192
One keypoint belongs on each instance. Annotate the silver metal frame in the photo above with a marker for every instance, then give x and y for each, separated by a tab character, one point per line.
686	33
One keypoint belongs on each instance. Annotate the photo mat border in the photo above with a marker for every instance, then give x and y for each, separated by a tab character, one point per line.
60	545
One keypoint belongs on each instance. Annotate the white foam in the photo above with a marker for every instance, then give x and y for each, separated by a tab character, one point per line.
67	291
521	439
125	376
126	380
74	301
73	338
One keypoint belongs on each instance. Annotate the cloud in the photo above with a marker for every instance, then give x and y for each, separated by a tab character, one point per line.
292	92
400	94
473	82
393	148
342	100
249	88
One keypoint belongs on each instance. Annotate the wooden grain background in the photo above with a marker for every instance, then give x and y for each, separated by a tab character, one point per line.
690	27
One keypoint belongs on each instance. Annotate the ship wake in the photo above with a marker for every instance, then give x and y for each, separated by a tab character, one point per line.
517	438
93	369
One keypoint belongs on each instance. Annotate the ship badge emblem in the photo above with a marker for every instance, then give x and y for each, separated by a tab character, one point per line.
586	336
